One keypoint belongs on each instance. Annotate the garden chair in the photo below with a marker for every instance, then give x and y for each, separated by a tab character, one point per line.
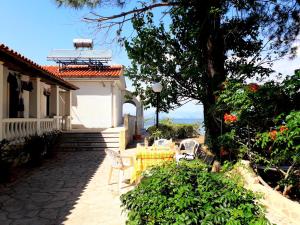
188	149
163	142
118	163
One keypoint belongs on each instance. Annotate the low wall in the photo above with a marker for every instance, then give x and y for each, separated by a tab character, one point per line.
129	130
280	210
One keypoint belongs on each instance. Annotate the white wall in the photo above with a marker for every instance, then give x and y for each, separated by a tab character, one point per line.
92	105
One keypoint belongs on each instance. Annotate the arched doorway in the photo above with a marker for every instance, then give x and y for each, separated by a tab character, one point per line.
133	107
129	107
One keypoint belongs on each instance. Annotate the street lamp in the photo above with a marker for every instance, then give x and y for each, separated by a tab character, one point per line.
157	87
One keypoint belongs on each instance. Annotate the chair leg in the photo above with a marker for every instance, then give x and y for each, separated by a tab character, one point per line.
121	176
110	175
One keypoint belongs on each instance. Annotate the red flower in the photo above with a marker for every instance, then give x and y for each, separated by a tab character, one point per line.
228	118
273	134
253	87
283	128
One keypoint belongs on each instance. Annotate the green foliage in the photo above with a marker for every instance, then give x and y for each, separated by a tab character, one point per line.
192	46
167	129
39	146
281	147
31	151
255	106
186	193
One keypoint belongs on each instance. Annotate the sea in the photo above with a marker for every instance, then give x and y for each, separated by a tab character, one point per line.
151	121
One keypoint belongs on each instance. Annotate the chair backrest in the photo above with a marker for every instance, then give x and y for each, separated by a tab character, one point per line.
115	158
162	142
190	145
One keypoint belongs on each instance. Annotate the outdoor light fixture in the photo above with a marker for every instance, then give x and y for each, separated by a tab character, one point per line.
157	88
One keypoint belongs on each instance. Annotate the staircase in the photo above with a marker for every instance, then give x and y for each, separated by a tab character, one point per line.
88	141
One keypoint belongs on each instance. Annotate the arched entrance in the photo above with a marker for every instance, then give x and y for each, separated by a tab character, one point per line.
133	102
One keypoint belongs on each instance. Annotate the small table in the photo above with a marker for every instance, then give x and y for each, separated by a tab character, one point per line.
146	157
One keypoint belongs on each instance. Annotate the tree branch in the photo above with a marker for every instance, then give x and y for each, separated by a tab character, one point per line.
123	14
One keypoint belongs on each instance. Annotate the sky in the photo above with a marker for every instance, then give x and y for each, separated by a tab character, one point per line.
35	27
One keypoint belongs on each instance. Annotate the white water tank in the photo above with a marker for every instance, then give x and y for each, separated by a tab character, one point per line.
83	43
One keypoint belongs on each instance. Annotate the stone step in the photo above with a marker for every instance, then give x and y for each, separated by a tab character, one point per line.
71	149
89	135
91	144
89	139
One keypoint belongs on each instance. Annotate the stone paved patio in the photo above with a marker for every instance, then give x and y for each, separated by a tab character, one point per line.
70	189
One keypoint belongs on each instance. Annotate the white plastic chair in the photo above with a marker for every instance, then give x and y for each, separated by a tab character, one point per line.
117	163
190	149
163	142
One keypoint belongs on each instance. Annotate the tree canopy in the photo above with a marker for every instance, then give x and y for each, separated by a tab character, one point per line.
201	44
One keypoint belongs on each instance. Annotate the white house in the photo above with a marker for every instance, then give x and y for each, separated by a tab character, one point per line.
98	102
29	97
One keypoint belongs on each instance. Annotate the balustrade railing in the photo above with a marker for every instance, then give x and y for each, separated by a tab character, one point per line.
18	128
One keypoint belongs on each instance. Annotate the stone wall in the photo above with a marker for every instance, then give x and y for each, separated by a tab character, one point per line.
279	209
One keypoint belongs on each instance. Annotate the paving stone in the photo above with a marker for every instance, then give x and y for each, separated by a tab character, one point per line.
40	197
57	204
35	221
5	222
49	214
32	213
12	206
3	216
71	189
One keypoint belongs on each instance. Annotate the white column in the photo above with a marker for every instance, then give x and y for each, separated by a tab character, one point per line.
1	98
54	100
35	102
54	105
68	102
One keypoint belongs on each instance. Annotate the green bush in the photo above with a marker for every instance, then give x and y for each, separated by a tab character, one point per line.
39	146
281	147
186	193
30	151
167	129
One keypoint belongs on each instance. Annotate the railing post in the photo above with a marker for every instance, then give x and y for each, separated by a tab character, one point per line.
68	103
35	103
1	98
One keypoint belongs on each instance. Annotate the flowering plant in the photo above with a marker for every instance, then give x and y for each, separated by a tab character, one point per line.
253	87
230	118
281	147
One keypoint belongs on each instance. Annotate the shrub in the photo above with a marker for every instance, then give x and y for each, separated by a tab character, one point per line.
167	129
186	193
39	146
281	147
29	151
250	109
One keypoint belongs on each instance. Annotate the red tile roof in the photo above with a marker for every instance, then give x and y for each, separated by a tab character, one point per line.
7	54
84	71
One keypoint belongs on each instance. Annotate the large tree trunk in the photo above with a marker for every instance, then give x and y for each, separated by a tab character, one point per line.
215	75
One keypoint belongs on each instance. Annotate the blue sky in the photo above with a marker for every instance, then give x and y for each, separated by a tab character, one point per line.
34	27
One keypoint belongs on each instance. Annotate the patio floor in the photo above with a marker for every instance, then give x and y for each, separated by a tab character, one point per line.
69	189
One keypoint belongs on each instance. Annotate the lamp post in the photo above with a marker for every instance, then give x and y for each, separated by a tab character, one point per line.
157	87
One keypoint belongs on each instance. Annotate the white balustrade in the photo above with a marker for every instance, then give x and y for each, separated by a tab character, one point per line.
47	125
18	128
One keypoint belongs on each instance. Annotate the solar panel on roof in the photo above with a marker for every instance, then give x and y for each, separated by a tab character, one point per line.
79	54
89	57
